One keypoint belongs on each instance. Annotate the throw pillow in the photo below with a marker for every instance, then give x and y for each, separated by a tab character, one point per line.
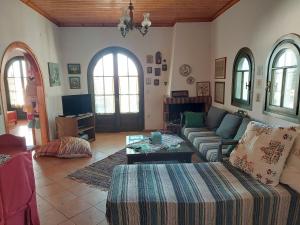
194	119
291	171
262	151
214	117
66	147
229	126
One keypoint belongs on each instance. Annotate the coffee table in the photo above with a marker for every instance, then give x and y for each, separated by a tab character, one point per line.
182	153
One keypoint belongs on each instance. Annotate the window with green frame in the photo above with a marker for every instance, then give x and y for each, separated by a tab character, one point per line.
282	92
242	79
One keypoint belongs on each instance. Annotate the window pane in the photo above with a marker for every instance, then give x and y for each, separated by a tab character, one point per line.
98	70
122	65
10	72
109	104
24	68
133	85
245	86
286	58
108	65
124	103
99	104
276	87
291	82
16	67
123	85
134	103
243	64
132	68
98	86
238	88
109	85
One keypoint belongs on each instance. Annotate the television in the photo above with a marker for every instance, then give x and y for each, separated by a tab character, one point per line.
77	104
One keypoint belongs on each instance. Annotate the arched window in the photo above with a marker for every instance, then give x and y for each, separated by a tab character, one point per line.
16	81
282	95
242	79
116	84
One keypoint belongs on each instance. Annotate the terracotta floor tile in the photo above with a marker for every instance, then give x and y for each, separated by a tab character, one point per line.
60	198
43	205
48	190
80	189
94	197
101	206
69	222
90	217
52	217
73	207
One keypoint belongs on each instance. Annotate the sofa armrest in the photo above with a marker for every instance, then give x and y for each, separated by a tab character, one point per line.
224	143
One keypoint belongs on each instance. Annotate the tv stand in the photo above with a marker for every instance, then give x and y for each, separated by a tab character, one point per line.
78	126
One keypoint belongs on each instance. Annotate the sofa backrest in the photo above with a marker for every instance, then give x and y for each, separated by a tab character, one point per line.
214	117
229	126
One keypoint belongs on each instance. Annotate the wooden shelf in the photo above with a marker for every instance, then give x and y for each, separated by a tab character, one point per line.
76	126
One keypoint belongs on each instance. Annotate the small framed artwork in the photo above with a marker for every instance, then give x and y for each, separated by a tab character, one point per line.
220	68
74	82
164	66
203	88
156	82
148	80
74	68
179	94
54	75
158	57
157	71
149	59
219	92
149	69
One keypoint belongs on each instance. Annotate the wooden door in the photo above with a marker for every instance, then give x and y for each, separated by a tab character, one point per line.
116	86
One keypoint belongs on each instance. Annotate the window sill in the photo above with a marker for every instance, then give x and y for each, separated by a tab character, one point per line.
295	119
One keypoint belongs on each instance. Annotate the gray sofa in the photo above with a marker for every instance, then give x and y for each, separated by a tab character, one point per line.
221	132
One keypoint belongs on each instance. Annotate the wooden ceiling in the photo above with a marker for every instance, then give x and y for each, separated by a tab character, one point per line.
107	12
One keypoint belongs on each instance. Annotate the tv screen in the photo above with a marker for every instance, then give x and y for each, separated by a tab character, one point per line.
76	104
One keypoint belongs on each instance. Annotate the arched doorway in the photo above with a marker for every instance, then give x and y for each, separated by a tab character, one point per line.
116	84
33	69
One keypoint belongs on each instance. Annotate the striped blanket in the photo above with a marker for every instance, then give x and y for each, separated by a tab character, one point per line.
196	194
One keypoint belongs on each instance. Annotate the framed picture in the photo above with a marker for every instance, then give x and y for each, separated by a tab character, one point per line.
149	69
156	82
203	88
178	94
164	66
220	68
219	92
158	57
74	82
74	69
157	71
149	59
54	76
148	80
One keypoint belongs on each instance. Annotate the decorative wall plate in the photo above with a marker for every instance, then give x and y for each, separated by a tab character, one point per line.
190	80
185	70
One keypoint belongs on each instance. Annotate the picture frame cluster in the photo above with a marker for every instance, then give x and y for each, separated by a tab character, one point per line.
156	65
74	81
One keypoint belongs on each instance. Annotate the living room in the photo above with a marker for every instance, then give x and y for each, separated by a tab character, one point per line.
187	47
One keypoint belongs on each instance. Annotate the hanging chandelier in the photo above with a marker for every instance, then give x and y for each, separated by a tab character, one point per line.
126	22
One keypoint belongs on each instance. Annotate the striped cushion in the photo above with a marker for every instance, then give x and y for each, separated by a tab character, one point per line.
202	194
193	135
198	140
185	131
209	151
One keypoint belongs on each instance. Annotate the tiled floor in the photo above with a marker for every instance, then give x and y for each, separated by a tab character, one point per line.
66	202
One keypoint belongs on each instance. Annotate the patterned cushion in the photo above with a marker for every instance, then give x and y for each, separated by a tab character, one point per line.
262	151
66	147
193	135
4	158
214	117
291	172
229	126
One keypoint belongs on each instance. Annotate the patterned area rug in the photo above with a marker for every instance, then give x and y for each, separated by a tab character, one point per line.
99	173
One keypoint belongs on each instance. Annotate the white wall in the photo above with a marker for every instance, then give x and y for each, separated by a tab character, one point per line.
20	23
191	45
255	24
185	43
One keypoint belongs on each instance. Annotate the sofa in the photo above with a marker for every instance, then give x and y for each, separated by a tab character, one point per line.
220	132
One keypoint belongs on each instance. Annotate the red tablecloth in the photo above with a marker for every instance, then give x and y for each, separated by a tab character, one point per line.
17	191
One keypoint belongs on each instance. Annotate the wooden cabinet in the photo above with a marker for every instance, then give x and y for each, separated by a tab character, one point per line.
79	126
